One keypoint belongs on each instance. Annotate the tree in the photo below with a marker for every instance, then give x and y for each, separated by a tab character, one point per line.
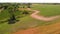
28	5
11	8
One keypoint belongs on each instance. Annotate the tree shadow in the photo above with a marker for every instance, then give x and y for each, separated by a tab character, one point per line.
9	21
12	21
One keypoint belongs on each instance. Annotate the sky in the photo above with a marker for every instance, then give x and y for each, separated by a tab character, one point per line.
31	1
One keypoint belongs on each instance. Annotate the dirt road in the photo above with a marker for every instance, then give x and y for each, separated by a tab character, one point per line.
39	17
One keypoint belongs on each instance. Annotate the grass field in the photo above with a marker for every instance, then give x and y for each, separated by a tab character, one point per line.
47	10
27	21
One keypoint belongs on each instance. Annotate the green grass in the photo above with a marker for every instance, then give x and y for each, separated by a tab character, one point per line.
4	14
47	10
24	23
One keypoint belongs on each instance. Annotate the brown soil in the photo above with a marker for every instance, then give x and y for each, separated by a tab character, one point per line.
49	29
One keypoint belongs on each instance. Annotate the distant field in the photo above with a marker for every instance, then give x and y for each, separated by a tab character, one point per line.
47	10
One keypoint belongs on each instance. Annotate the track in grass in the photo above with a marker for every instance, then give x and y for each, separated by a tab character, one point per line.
34	15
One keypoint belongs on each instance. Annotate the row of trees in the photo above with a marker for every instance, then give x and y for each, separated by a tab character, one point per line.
12	7
51	3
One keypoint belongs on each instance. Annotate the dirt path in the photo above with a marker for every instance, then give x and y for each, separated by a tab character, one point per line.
39	17
49	29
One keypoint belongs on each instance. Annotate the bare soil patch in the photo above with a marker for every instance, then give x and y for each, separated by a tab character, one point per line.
49	29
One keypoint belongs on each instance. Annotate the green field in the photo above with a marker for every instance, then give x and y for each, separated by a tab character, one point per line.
47	10
27	21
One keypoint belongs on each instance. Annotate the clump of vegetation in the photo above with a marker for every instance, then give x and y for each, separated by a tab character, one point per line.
13	11
24	12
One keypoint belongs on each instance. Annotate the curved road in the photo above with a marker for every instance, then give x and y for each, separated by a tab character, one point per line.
39	17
